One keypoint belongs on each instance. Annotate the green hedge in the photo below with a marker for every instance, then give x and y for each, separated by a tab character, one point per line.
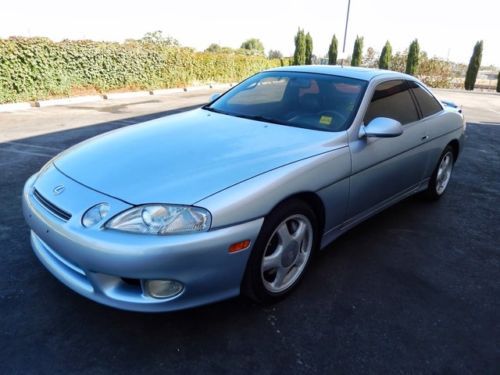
37	68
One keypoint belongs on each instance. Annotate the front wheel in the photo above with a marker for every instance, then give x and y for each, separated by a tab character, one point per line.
442	174
281	253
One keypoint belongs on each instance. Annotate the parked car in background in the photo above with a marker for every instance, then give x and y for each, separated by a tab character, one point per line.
238	195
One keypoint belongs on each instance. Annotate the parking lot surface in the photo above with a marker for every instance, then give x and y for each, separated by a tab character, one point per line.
415	289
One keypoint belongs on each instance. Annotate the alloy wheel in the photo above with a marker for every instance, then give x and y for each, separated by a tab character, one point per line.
286	253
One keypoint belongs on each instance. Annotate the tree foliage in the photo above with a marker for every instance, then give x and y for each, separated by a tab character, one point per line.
309	49
333	51
275	54
286	61
385	57
37	68
357	52
474	65
413	58
214	47
254	45
370	59
398	61
157	37
299	56
434	72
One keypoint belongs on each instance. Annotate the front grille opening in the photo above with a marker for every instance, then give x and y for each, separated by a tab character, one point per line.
52	208
133	282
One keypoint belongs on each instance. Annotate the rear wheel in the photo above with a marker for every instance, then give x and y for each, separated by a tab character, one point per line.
442	174
281	253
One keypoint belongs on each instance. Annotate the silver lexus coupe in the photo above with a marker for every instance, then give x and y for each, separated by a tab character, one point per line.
237	196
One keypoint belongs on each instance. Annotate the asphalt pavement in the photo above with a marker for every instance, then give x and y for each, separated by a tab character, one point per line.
415	289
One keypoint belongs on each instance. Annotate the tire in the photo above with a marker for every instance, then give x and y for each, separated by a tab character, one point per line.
282	252
441	175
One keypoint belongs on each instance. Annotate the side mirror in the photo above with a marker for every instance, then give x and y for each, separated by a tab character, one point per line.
382	127
214	96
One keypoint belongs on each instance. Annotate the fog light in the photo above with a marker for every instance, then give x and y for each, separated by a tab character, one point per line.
163	288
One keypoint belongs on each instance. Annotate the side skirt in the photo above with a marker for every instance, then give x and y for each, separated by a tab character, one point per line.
333	233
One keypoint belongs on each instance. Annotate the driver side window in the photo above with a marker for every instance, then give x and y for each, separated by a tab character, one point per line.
392	99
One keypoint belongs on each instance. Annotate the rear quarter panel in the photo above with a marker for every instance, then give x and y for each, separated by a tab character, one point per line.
442	128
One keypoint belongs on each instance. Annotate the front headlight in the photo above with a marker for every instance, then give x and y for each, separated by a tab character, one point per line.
95	214
162	219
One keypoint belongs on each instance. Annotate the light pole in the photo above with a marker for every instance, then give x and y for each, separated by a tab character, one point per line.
345	32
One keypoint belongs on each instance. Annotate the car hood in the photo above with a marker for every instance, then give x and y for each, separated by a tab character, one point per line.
184	158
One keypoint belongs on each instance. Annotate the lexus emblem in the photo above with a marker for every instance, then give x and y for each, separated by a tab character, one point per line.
58	189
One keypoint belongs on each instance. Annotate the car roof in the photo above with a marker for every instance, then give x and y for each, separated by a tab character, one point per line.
366	74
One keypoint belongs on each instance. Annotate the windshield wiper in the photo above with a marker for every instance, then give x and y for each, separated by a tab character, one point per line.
211	109
249	117
261	118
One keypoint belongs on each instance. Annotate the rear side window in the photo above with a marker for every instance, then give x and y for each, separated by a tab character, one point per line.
392	99
427	102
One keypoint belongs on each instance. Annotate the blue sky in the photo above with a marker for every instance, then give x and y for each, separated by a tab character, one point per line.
447	29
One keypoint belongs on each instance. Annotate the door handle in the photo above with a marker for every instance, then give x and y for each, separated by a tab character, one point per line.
425	137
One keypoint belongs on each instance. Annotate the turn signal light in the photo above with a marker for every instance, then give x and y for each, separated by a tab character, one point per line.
238	246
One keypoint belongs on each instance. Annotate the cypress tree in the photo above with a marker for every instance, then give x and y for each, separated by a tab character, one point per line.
299	56
357	51
413	58
474	64
385	57
309	49
333	51
498	82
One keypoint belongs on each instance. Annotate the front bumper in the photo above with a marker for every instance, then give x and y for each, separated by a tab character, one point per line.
110	267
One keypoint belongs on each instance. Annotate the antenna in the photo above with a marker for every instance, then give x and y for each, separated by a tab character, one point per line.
345	32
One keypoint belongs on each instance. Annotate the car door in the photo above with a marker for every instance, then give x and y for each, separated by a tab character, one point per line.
386	168
432	113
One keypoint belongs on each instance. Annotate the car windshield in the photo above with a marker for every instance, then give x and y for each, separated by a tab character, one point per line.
307	100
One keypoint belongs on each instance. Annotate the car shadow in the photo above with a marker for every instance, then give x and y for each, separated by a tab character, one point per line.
60	140
116	108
